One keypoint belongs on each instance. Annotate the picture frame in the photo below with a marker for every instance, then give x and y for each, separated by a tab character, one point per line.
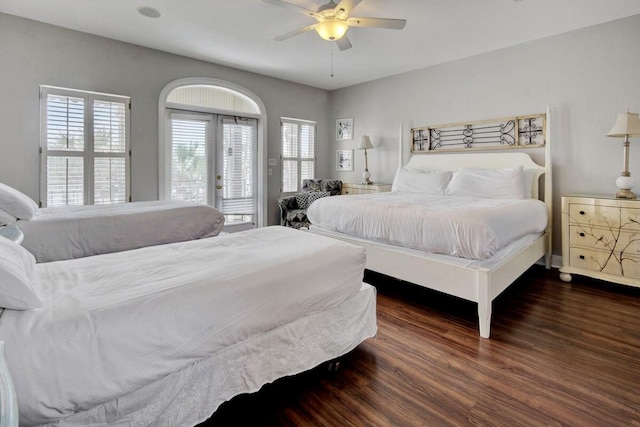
344	129
344	160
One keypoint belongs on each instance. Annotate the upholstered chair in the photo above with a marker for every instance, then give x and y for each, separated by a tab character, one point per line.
293	209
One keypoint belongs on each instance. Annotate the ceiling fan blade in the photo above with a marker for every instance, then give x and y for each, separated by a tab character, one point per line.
295	33
347	6
295	7
393	24
343	43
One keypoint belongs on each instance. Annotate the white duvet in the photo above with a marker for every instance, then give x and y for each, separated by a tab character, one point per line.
466	227
112	324
68	232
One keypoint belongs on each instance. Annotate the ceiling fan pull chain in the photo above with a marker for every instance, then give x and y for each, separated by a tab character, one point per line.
332	63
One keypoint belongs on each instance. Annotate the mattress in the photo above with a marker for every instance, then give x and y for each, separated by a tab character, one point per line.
114	324
466	227
69	232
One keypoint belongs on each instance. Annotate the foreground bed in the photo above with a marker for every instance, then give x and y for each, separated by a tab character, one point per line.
68	232
163	335
477	268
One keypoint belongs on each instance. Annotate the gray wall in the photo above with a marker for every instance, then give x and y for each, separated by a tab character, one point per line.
33	53
586	76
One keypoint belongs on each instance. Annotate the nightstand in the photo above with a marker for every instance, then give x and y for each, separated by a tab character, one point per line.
349	188
601	238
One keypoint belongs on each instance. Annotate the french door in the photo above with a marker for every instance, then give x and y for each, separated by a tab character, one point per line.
214	161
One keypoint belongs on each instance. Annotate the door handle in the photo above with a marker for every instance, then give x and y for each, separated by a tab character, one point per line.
219	187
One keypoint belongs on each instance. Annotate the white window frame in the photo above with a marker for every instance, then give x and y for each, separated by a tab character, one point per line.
299	158
88	153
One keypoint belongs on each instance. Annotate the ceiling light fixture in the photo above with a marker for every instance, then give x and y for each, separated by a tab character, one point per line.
149	12
332	29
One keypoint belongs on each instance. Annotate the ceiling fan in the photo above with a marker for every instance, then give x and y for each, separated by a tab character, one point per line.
334	21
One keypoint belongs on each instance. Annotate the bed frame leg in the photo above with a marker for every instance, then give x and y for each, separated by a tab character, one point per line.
484	318
333	366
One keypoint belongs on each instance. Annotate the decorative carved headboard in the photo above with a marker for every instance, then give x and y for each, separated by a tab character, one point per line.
509	132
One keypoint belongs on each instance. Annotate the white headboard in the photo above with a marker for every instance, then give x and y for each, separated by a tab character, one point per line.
453	162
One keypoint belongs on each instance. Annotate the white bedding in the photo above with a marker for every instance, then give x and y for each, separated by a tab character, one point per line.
114	324
69	232
466	227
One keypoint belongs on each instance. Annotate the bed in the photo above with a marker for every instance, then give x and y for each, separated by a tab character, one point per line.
67	232
448	258
163	335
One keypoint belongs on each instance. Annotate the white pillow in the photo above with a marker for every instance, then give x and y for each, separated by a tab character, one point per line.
488	183
416	181
16	203
16	266
6	218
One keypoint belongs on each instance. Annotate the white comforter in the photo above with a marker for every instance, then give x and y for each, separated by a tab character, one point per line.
114	323
69	232
467	227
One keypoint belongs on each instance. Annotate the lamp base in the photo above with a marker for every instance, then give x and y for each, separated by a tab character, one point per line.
365	177
625	183
626	194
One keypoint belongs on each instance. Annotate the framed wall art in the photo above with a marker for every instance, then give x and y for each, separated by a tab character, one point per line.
344	160
344	129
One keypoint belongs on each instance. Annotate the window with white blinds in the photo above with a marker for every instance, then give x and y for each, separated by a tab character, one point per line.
298	153
85	147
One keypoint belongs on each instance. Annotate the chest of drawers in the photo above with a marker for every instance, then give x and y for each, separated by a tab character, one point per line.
601	239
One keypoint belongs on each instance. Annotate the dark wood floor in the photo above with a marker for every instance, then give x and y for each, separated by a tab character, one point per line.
559	355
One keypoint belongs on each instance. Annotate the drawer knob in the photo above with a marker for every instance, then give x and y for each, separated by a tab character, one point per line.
581	256
581	212
581	234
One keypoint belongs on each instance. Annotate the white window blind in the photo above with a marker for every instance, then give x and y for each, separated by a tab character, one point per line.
85	147
189	153
239	150
298	153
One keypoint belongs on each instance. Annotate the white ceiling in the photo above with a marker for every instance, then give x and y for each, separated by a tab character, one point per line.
239	33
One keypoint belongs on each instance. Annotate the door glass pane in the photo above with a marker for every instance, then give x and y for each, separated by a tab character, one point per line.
189	160
239	142
109	180
65	181
65	123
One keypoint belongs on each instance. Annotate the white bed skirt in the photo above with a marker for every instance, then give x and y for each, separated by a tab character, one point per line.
190	396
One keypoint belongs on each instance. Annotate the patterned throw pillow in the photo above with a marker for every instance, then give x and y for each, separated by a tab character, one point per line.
305	199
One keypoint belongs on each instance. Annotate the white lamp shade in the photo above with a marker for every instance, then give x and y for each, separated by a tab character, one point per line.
332	29
365	142
626	124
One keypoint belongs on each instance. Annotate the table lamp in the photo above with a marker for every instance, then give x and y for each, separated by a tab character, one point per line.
365	143
627	124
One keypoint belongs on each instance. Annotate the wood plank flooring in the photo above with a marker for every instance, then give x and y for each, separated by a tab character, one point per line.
559	355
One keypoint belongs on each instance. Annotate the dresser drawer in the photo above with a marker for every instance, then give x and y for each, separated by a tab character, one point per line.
604	216
625	243
600	261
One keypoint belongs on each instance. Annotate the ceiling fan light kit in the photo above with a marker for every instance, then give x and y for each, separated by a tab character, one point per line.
333	21
332	29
